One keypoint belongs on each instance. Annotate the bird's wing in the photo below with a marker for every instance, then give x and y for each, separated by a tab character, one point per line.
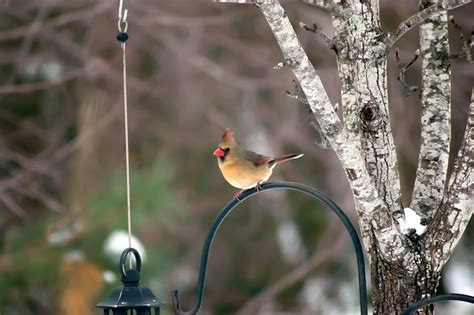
256	159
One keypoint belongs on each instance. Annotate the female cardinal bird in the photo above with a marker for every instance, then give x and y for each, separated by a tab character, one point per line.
245	169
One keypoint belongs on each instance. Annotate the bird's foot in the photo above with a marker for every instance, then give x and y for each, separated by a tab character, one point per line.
237	194
258	187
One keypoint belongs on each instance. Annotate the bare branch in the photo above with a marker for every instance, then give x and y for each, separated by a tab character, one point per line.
13	206
302	68
435	117
297	97
63	19
419	17
34	191
31	87
327	5
296	94
298	274
451	219
48	162
322	142
242	1
403	69
316	30
466	43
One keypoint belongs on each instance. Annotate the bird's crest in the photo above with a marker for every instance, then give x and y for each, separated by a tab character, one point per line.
228	138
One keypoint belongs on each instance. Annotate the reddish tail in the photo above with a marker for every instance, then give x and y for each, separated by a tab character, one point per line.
285	158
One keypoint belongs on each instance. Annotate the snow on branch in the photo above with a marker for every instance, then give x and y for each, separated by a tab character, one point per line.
419	17
411	222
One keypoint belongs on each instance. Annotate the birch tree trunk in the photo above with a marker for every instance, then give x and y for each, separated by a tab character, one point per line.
405	265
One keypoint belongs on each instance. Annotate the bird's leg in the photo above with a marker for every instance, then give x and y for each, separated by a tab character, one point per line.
258	187
237	194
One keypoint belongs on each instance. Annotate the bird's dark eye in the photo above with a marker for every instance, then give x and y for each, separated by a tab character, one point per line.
226	150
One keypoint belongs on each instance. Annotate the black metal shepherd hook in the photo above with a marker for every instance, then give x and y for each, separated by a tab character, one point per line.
438	298
247	194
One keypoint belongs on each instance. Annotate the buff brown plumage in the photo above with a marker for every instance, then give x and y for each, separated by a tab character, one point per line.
245	169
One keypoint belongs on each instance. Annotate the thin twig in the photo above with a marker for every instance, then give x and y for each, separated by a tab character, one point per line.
466	43
63	19
13	206
318	31
418	18
31	87
322	142
296	94
403	69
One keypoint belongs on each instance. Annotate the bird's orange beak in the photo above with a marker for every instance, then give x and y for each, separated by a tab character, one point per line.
218	152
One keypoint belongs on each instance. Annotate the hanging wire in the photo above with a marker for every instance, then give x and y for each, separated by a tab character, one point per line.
122	37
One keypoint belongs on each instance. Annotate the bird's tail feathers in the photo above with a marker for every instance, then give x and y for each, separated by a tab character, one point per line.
285	158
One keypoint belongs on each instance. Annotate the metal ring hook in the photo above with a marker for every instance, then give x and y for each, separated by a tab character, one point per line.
122	18
125	26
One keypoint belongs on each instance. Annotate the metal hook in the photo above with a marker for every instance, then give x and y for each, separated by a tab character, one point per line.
248	193
122	18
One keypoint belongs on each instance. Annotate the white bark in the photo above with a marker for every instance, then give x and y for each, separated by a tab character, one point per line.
436	7
435	116
328	5
452	218
362	69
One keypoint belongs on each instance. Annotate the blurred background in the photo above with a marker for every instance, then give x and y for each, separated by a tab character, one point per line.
194	68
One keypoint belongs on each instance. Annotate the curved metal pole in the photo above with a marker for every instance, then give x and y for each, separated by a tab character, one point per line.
247	194
438	298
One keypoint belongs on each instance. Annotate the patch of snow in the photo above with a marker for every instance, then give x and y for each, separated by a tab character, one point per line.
411	221
117	241
290	242
109	276
460	278
75	256
313	292
63	236
51	70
